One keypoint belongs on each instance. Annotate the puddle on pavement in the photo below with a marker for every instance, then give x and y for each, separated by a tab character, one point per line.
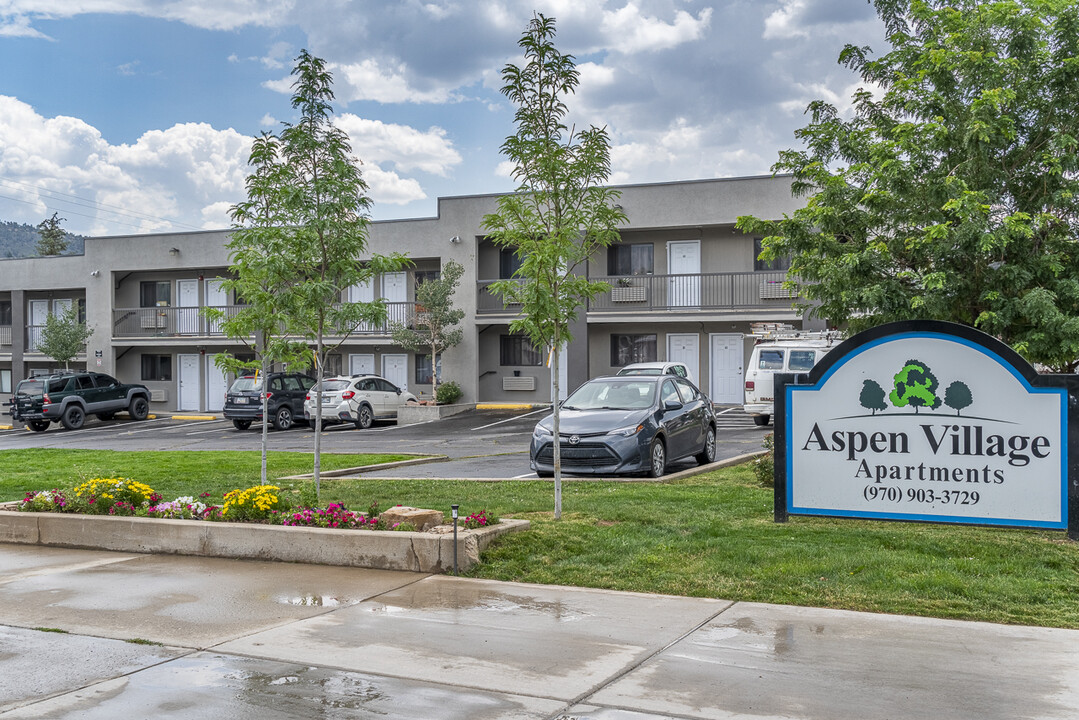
313	600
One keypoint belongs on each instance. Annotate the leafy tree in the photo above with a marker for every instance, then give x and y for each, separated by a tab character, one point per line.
433	326
952	191
63	336
52	239
256	267
559	214
958	396
315	232
916	386
872	396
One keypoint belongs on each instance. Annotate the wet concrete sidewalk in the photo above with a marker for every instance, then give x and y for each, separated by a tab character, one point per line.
177	637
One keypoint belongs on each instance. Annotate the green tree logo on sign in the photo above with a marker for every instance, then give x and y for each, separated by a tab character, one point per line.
916	386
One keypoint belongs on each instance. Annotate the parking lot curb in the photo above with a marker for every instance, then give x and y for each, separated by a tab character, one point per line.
509	406
353	473
193	417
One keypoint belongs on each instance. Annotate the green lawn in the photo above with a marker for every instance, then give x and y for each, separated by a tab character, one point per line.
708	536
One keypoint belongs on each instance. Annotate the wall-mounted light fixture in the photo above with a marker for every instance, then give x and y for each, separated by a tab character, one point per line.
95	273
175	252
455	239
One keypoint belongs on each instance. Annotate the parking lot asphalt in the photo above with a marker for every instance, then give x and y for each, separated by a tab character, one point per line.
478	444
91	635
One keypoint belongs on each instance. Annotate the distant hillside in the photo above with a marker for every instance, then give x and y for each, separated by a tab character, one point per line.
17	240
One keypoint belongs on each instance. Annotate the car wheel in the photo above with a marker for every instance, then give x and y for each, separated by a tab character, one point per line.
283	418
544	474
761	420
241	424
106	416
364	417
708	453
73	417
38	425
657	459
139	408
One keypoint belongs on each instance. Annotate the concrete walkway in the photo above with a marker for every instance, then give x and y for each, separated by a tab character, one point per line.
179	637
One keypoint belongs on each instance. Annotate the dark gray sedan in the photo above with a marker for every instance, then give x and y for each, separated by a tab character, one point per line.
627	424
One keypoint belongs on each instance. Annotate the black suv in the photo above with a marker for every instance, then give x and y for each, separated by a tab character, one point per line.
67	398
284	402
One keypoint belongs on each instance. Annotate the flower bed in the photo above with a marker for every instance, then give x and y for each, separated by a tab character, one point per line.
260	522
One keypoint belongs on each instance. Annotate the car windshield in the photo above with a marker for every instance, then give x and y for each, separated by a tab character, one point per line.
246	384
640	371
612	395
335	385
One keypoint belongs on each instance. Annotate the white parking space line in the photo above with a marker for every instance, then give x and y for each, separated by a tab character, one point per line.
511	419
730	409
526	475
136	432
114	429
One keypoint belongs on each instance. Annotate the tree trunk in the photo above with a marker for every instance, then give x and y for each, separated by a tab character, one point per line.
557	439
319	366
265	421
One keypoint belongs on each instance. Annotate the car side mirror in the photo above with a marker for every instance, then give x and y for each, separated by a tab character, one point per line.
672	405
398	391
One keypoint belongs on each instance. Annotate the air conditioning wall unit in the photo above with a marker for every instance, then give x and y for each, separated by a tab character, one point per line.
519	383
161	395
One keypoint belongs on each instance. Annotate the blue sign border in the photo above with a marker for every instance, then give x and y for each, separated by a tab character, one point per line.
1062	386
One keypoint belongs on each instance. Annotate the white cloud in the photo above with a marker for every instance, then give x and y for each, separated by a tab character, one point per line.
183	173
18	26
208	14
372	80
629	31
267	120
406	148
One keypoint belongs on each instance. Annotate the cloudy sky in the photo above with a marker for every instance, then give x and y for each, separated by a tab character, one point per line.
136	115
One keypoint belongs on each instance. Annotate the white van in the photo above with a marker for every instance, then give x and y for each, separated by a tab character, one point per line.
778	354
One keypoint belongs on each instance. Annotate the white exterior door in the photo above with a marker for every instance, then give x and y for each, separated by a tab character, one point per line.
395	292
39	312
725	359
395	369
216	297
362	293
216	387
686	349
187	300
684	266
361	364
188	394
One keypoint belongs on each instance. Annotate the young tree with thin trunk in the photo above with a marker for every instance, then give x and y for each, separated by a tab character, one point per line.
63	336
560	214
432	327
320	193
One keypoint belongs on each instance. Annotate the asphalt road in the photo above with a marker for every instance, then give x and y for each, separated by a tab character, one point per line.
484	444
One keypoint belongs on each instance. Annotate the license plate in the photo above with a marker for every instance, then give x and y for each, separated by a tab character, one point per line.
326	397
241	401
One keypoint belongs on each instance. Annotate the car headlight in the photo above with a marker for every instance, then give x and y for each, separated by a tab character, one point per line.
542	432
628	431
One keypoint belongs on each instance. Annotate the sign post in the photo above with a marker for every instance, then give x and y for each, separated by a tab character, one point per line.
928	421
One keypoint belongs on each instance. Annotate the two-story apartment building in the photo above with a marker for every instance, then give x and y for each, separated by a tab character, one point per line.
685	285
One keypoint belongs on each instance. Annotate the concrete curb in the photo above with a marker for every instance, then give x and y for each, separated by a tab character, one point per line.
427	552
358	471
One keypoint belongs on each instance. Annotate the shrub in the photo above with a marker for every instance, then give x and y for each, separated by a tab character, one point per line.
260	502
334	516
182	508
480	519
448	393
44	501
112	496
764	465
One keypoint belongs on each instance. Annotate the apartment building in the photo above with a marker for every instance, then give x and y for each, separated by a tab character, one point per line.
684	285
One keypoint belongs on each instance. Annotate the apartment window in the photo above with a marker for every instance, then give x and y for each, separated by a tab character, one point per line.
81	304
5	312
631	259
423	276
508	263
626	349
518	350
157	367
779	264
423	369
153	293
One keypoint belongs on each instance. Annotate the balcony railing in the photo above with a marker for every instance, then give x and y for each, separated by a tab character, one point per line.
646	293
5	335
189	321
